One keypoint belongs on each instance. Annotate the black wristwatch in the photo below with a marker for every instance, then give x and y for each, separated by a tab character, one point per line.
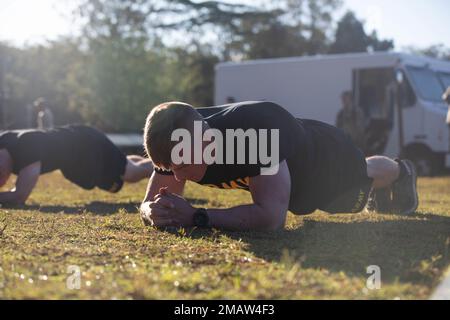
201	218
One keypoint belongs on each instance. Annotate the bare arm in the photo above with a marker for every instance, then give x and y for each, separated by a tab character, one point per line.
26	181
270	205
156	182
268	212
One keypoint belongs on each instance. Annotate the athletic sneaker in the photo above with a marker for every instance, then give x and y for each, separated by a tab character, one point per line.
380	201
404	191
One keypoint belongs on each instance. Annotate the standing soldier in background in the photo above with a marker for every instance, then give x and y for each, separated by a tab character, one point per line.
446	98
351	120
44	115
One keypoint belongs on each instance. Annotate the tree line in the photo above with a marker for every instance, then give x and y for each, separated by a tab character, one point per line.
134	54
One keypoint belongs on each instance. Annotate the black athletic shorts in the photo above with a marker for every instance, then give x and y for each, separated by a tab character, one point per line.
95	161
333	175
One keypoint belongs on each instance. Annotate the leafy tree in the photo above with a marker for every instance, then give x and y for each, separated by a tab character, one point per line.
196	71
211	31
38	71
438	51
289	28
135	54
351	37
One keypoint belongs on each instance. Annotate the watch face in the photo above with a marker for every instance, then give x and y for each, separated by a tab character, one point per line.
201	219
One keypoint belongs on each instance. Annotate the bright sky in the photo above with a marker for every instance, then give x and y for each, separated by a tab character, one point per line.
34	21
418	23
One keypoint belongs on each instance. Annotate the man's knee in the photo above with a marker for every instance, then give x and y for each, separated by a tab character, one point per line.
383	170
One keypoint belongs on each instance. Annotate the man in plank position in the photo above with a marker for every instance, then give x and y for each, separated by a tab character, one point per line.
311	166
84	155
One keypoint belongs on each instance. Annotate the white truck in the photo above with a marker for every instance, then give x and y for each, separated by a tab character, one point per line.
400	96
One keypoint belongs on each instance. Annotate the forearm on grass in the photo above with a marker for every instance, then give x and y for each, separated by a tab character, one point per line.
11	197
247	217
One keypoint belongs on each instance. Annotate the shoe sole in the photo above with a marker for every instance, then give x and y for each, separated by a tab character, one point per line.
413	209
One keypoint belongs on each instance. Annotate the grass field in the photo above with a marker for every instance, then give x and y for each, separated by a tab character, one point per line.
316	257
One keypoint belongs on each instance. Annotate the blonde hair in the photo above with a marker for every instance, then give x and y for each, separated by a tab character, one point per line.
162	121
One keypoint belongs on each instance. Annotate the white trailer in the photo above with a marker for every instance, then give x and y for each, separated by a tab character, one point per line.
400	95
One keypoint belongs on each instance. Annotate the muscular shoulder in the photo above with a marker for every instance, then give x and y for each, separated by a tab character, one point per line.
251	114
261	108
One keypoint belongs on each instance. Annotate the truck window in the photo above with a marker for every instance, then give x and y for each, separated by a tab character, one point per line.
375	91
409	97
377	95
427	83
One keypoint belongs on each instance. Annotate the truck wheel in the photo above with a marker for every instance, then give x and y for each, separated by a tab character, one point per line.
426	164
424	167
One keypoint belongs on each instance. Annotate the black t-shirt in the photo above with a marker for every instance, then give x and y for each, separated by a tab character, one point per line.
323	162
30	146
254	115
65	148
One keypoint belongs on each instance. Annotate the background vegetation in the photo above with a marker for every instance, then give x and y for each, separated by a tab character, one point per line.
134	54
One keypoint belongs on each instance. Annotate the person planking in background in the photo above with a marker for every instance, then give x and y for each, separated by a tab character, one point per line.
84	155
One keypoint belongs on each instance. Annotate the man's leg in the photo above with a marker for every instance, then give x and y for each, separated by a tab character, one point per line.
398	176
137	168
383	171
